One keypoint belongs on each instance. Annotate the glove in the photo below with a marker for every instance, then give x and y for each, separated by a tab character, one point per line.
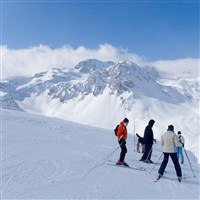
183	145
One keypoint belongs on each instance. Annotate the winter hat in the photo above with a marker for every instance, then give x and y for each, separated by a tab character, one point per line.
179	133
126	120
170	128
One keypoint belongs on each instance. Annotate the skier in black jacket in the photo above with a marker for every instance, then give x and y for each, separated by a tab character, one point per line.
148	142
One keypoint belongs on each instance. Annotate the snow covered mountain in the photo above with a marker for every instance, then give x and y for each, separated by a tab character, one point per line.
102	93
49	158
93	76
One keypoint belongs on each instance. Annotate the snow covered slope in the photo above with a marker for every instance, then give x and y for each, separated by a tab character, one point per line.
48	158
102	93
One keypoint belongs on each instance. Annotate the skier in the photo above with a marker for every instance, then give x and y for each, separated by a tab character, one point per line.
140	142
170	140
179	147
122	136
148	142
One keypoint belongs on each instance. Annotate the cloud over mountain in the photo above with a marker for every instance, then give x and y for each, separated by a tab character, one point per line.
26	62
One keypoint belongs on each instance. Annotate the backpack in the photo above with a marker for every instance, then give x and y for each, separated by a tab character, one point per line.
116	130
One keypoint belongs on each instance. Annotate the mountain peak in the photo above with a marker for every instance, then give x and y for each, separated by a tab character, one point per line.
127	63
92	64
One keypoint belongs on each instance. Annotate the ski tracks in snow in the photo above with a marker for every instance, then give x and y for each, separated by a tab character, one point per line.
45	157
28	176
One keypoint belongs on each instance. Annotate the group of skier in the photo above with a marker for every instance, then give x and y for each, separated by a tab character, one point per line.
172	146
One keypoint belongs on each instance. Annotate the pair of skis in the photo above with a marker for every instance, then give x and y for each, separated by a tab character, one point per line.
162	176
112	163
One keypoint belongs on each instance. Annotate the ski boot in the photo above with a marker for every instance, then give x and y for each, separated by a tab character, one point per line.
159	176
148	161
179	179
119	163
125	164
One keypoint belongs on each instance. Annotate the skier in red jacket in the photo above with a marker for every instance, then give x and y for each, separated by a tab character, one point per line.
122	136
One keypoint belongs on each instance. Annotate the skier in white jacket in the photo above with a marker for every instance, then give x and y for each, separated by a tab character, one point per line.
170	140
179	147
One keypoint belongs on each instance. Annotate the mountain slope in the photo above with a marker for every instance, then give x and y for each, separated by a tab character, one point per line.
48	158
102	93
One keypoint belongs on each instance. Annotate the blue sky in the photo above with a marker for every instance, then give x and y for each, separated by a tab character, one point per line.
155	30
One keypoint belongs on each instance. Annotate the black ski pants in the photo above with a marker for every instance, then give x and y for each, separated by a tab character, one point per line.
147	152
122	144
174	160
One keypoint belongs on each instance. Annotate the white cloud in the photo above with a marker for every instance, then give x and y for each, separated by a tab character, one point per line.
186	67
16	62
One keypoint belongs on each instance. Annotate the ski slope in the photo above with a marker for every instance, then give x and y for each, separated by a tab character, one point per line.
100	94
49	158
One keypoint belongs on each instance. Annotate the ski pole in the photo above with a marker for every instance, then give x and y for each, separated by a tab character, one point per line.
156	163
112	152
134	135
189	161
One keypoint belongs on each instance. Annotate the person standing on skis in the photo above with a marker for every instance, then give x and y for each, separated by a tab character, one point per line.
170	140
179	148
148	142
122	136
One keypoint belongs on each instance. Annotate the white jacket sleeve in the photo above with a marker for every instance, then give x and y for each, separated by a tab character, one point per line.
176	140
182	140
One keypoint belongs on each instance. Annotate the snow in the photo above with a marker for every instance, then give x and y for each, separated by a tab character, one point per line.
100	94
107	110
2	94
49	158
